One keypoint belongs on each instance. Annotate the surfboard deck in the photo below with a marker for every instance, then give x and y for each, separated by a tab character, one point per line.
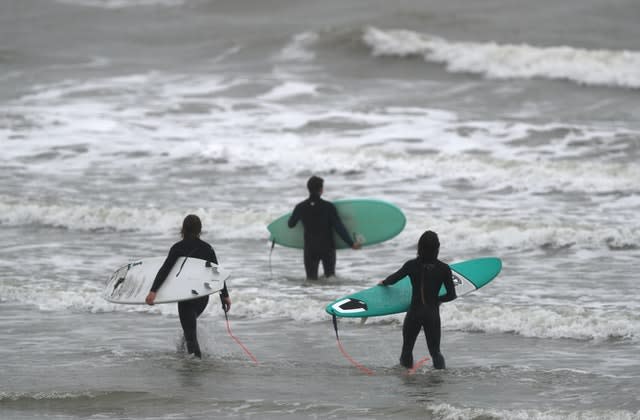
189	278
369	221
468	276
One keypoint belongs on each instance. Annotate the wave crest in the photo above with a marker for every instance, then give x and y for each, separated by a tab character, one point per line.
512	61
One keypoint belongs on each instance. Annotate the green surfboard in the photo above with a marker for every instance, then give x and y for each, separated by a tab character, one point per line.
468	276
367	220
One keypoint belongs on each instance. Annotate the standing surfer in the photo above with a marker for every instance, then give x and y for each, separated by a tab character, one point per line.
189	310
427	274
319	219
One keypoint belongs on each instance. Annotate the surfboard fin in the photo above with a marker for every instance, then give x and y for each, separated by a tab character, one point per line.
363	320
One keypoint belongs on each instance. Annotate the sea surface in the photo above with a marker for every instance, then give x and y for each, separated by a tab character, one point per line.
510	127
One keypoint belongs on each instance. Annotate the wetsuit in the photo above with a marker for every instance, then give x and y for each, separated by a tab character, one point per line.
424	311
188	310
319	218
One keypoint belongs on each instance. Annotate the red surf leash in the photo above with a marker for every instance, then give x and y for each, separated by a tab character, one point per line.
417	366
246	350
345	354
364	369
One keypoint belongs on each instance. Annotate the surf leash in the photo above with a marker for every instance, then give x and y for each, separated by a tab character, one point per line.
417	366
344	352
242	346
273	244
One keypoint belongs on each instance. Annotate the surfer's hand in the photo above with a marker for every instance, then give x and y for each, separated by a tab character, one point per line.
151	297
356	245
381	283
226	303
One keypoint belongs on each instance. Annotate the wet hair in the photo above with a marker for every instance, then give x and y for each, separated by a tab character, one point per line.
191	226
428	247
315	184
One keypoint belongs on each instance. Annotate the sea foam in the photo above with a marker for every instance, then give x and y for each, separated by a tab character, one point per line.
512	61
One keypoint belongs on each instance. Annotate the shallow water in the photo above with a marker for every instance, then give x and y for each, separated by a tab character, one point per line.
509	128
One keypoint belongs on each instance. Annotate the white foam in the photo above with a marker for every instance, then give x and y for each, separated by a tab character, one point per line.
448	411
121	4
162	120
554	322
511	61
290	90
295	303
510	232
299	48
47	396
551	322
131	116
249	223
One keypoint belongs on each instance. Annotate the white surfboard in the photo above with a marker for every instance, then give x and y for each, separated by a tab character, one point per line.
189	278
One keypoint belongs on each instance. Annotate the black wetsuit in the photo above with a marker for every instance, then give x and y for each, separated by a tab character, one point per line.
188	310
424	311
320	218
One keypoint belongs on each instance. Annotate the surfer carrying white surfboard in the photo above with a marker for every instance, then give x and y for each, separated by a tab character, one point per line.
189	310
427	274
319	219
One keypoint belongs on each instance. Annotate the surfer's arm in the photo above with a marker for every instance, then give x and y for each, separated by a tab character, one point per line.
164	270
295	217
395	277
450	287
339	227
212	256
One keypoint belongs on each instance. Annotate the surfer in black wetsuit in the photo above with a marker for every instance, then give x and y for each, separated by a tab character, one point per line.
427	274
189	310
319	218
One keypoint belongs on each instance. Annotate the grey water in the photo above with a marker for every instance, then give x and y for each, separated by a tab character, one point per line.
510	128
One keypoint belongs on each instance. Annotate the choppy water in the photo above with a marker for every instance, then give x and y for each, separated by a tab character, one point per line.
510	128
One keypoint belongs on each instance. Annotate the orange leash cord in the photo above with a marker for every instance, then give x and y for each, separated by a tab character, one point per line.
345	354
417	366
246	350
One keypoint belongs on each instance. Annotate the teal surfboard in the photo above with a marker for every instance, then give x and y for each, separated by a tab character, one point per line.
468	276
368	221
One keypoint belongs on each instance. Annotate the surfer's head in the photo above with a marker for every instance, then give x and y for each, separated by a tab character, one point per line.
428	246
315	185
191	226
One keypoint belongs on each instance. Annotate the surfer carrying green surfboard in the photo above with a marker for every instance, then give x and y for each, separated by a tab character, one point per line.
319	219
427	274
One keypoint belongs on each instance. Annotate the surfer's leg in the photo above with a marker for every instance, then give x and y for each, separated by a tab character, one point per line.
200	304
188	315
311	263
410	330
329	263
433	334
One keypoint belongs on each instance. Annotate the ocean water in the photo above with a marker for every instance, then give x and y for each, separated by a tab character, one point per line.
509	127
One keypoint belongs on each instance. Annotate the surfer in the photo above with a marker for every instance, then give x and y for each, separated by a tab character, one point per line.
319	219
427	274
189	310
